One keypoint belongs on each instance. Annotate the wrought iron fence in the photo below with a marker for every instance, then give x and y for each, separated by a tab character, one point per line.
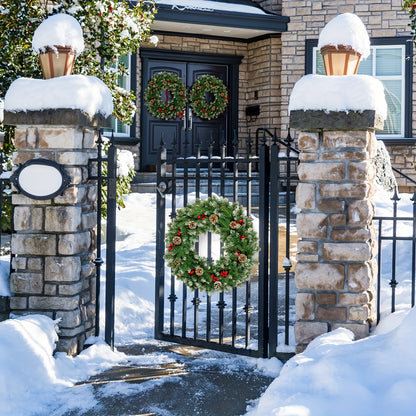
396	237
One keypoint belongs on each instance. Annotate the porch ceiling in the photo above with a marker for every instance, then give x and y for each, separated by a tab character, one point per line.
233	22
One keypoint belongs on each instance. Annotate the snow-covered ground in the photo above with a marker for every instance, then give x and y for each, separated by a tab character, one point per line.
334	376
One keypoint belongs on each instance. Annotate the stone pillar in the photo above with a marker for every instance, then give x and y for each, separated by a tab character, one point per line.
54	240
336	270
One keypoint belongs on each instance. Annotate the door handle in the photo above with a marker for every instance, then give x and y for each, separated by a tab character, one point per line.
184	121
189	119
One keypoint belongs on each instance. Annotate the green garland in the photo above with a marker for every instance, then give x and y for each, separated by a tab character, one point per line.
240	243
199	104
163	83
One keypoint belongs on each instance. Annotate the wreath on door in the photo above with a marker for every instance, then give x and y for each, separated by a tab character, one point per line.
165	96
198	97
240	244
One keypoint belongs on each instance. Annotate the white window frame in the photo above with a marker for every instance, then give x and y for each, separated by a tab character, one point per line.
125	127
401	77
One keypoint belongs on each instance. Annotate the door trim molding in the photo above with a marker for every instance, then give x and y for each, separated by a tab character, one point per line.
211	58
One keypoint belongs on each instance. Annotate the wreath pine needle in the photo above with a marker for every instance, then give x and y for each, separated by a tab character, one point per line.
240	244
160	85
197	97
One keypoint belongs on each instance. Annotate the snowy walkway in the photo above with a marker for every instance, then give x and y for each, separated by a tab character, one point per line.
190	382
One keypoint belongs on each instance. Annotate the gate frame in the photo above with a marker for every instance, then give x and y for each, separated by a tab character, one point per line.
270	185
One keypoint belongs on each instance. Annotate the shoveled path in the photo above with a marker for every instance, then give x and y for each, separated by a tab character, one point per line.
194	382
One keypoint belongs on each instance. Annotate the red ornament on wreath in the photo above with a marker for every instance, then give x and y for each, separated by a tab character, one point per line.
208	84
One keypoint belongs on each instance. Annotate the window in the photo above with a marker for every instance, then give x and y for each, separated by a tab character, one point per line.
387	62
124	81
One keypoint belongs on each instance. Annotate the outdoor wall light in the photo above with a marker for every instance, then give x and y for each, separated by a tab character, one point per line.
340	60
40	179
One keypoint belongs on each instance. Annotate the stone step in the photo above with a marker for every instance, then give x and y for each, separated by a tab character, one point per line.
143	188
144	177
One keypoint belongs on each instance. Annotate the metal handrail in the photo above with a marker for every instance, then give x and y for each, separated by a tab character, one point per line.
404	175
286	143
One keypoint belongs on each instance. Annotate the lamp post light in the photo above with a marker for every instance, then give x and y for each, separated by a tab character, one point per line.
343	42
58	41
340	60
56	63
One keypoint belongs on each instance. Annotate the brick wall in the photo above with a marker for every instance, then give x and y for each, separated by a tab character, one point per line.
274	6
403	157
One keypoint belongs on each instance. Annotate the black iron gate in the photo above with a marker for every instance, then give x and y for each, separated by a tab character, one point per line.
255	319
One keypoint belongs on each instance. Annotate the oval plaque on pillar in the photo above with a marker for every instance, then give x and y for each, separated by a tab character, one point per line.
40	179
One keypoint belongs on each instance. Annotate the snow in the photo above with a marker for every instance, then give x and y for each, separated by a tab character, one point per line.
83	92
335	375
348	30
125	162
339	93
4	275
58	30
209	6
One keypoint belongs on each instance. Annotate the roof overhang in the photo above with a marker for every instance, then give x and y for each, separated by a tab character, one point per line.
222	23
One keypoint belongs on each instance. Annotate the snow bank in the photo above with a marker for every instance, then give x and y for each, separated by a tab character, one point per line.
32	380
348	30
27	366
86	93
339	93
338	376
58	30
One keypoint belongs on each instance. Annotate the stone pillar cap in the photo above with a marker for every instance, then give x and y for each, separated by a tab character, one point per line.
56	117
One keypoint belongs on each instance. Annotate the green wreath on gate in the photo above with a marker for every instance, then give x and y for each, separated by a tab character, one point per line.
197	96
240	244
168	107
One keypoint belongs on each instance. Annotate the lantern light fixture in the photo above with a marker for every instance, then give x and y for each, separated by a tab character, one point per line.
343	42
57	63
340	60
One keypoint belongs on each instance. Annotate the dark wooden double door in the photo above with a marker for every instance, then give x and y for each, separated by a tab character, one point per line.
189	130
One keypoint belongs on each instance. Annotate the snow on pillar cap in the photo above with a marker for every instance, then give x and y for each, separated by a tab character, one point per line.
347	30
339	93
58	30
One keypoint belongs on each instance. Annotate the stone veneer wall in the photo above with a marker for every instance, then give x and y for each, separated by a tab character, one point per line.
336	270
54	241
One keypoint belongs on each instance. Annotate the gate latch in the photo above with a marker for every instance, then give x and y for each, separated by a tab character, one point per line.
161	188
